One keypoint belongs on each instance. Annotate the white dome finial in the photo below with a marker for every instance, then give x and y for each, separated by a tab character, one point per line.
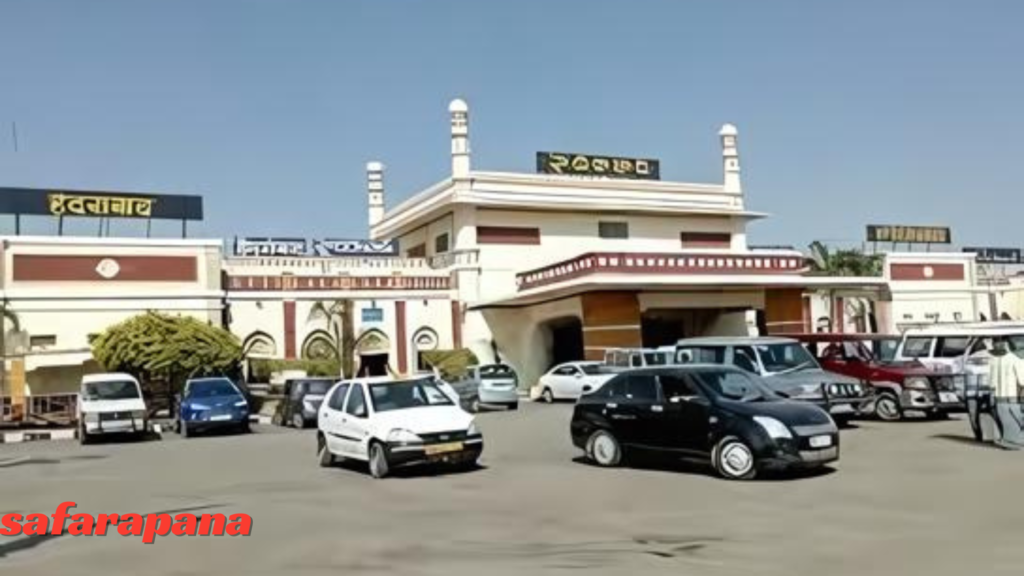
458	105
374	167
728	130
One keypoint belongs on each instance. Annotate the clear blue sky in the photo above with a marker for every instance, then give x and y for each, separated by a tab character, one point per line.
881	111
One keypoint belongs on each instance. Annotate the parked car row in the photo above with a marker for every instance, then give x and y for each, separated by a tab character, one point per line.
113	403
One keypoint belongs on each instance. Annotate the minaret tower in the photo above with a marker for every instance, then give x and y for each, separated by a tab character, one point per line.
459	111
730	159
375	191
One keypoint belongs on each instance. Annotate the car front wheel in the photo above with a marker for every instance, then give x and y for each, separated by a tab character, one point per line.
379	465
887	407
547	396
604	449
326	459
734	460
298	421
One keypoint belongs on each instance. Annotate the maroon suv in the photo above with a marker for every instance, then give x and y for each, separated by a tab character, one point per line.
899	386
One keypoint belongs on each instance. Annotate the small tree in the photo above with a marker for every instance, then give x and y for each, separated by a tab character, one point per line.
154	346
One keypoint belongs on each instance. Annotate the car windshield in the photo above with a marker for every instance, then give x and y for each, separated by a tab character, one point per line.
112	390
407	394
211	388
591	369
733	386
496	370
885	350
784	356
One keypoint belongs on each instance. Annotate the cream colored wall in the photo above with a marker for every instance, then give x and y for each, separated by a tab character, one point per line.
522	341
565	235
427	234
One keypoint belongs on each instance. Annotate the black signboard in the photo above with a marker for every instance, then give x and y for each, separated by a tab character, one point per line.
910	234
592	165
989	255
53	202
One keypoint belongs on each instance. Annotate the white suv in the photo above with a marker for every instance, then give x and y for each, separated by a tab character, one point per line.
111	404
390	423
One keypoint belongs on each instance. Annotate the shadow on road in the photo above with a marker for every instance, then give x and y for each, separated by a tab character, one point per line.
703	469
421	471
965	440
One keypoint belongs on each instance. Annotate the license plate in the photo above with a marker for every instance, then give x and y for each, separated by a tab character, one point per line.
948	398
443	448
220	417
823	441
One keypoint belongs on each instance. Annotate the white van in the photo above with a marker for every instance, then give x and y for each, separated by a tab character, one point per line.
945	347
111	404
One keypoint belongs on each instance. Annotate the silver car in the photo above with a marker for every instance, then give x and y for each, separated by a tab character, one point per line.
483	386
785	366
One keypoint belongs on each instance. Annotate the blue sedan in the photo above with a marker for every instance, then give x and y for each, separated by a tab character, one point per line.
211	403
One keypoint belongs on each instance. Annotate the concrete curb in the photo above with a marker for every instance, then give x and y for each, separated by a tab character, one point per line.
16	437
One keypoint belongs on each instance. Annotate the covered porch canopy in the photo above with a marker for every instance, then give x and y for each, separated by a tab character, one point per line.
686	271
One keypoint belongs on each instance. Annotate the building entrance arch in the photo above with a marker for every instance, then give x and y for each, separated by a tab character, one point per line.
563	337
372	350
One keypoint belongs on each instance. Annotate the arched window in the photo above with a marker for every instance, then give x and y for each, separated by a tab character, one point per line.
259	344
319	345
423	340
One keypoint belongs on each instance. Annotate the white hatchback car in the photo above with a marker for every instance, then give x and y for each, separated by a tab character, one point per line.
111	404
392	423
571	380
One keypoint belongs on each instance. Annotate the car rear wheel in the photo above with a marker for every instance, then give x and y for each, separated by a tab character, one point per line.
474	405
547	396
734	460
887	407
324	456
298	421
513	406
276	420
379	465
604	449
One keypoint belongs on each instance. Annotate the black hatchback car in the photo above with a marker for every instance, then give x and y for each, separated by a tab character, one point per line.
715	414
301	401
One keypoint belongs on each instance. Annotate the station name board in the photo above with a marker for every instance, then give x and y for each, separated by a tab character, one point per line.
315	247
990	255
41	202
593	165
910	234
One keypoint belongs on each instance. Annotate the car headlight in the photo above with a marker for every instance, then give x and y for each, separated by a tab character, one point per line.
472	430
806	391
139	414
916	383
773	427
241	403
403	436
194	406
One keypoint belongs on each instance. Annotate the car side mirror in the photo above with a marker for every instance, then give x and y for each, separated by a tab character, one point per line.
587	388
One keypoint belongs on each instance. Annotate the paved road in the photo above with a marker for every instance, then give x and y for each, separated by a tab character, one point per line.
910	498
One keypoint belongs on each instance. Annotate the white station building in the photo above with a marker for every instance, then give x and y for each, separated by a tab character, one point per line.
527	268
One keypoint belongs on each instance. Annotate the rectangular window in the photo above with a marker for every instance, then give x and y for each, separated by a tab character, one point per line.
613	229
952	346
507	235
701	355
917	347
41	341
417	251
441	244
705	239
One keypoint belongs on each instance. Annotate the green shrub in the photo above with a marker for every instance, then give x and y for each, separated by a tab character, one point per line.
260	369
452	364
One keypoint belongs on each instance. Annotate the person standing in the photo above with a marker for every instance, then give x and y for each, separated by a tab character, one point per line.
1006	375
